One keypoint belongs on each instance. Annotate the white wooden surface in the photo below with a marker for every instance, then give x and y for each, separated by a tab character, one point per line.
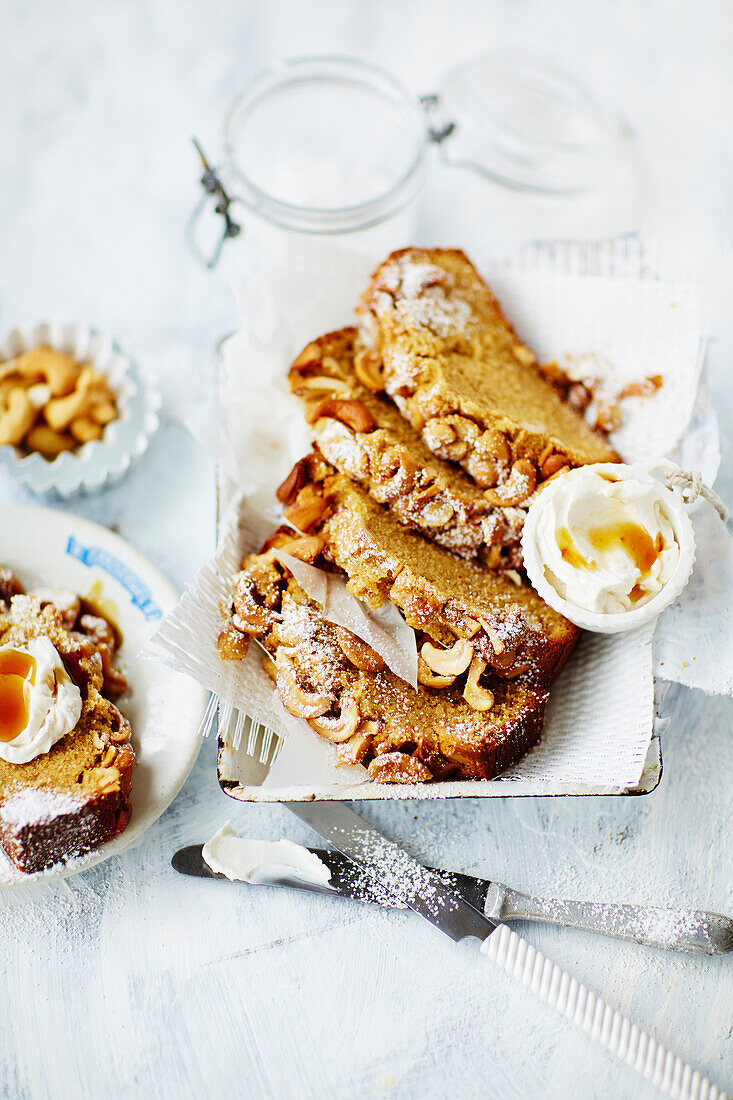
130	981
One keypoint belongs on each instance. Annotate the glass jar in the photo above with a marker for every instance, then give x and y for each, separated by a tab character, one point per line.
324	154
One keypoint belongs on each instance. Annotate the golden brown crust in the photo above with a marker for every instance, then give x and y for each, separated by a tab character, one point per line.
508	626
457	369
76	796
402	735
382	451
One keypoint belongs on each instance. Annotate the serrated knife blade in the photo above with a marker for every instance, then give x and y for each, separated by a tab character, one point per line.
406	879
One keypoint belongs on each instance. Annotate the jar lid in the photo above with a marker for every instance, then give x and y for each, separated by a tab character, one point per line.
525	124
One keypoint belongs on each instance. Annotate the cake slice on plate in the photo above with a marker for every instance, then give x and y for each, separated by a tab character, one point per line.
66	760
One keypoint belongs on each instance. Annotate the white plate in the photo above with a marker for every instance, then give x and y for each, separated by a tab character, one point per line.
46	547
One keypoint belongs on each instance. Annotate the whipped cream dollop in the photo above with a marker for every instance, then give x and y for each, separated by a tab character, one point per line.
243	859
39	703
607	538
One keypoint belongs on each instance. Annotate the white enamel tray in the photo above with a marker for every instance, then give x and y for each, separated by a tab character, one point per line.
48	547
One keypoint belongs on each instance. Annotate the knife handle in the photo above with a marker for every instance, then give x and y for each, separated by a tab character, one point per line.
691	930
596	1018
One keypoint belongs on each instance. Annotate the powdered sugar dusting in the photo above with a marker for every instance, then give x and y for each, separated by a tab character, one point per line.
417	291
38	806
434	311
401	876
416	277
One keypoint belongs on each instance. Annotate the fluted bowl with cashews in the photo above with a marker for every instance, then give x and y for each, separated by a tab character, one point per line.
74	413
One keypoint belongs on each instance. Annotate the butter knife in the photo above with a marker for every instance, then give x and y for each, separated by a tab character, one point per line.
423	891
691	931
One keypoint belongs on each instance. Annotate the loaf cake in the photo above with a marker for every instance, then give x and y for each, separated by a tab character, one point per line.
458	371
363	434
435	430
330	678
74	796
481	621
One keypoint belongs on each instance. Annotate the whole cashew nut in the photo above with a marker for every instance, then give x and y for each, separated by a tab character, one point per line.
448	662
338	729
477	697
299	702
17	418
49	442
60	370
428	678
91	388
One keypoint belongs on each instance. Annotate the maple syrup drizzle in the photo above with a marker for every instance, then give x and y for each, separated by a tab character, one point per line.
569	551
634	539
16	670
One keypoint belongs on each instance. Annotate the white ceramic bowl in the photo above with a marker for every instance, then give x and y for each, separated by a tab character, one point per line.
95	464
616	622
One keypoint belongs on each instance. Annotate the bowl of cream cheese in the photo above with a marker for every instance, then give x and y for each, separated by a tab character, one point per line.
609	545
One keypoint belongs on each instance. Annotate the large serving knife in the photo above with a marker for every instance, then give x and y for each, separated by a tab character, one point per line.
693	931
373	868
425	893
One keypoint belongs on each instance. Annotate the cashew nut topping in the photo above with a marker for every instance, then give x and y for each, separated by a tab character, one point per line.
513	672
368	369
483	469
307	510
288	490
428	678
438	434
355	749
231	645
495	444
66	602
249	616
497	642
341	728
319	383
520	484
353	413
448	662
358	653
299	702
477	697
552	465
309	356
303	547
438	513
398	767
